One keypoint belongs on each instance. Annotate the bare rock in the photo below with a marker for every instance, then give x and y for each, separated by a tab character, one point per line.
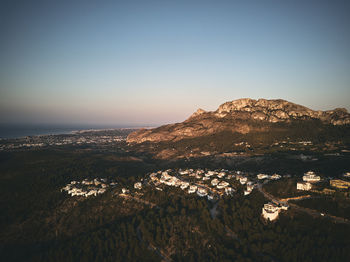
236	116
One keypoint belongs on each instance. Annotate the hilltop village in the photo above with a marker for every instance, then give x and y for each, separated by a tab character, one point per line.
212	184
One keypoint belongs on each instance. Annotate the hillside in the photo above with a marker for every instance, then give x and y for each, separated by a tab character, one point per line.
242	116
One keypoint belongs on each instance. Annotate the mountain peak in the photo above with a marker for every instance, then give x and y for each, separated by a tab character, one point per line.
241	116
199	111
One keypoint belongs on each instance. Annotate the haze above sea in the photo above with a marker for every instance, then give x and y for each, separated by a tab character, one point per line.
23	130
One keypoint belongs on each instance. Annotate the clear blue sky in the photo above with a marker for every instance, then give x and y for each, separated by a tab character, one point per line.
155	62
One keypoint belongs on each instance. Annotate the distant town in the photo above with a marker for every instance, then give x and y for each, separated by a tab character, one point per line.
76	138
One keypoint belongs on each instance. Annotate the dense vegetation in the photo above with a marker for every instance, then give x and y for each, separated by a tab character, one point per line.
39	223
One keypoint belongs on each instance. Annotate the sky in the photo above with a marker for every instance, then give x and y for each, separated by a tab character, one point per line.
156	62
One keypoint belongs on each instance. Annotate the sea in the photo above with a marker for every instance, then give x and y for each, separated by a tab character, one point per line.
8	131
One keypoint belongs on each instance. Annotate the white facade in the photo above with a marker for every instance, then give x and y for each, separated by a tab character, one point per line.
185	172
250	187
284	206
184	185
243	180
262	176
202	192
275	177
246	192
210	173
347	174
125	191
304	186
214	182
222	184
270	211
192	189
221	174
270	215
138	185
311	177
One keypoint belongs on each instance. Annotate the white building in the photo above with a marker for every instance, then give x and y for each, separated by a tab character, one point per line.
347	174
262	176
101	191
221	174
275	177
198	176
125	191
304	186
222	184
184	185
177	181
153	175
202	192
214	182
284	206
200	171
210	173
270	211
243	180
246	192
138	185
311	177
192	189
250	187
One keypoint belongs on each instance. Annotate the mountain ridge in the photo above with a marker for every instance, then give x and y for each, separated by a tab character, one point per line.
242	116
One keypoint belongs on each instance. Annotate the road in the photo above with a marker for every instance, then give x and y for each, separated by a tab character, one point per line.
138	200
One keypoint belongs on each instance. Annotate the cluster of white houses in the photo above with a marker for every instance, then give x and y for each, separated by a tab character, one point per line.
203	183
308	178
209	183
88	187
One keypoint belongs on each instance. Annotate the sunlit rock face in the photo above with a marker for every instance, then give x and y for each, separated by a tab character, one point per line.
236	116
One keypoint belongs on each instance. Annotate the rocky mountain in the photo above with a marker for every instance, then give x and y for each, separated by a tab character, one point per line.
240	116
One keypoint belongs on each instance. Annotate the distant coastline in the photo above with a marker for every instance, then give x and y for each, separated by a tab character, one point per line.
13	131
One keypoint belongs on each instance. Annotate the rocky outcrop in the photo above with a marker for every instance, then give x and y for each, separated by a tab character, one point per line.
234	116
199	111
